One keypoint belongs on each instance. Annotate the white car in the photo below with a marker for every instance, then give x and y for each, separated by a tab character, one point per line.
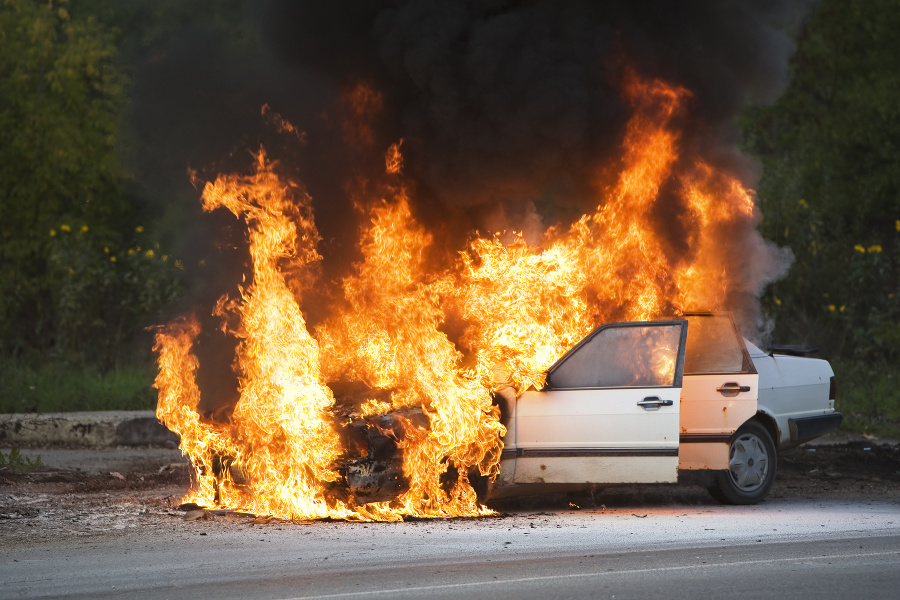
641	402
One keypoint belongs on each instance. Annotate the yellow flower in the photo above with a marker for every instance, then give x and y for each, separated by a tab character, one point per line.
875	248
65	228
831	307
164	257
777	301
71	271
803	203
105	249
52	233
859	248
131	252
179	265
897	224
84	229
149	253
139	228
112	259
842	308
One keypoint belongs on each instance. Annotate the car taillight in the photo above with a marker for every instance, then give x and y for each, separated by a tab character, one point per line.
832	389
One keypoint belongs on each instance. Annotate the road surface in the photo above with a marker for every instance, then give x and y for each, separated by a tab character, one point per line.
782	548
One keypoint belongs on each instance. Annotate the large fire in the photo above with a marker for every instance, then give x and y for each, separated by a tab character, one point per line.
524	305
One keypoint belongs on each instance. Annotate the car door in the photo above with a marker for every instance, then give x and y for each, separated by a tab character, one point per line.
719	391
610	410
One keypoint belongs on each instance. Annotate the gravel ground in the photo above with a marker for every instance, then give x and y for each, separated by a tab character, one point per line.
136	489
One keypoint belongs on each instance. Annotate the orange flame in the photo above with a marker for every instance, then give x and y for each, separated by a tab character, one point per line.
389	338
278	442
524	306
527	305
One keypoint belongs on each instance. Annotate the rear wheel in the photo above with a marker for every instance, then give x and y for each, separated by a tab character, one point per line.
752	460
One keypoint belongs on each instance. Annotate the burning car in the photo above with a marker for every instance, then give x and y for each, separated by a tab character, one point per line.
388	405
642	402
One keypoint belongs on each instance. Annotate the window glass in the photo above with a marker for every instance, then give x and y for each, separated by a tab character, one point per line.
621	356
712	346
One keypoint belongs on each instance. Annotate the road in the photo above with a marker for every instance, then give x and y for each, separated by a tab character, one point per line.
783	547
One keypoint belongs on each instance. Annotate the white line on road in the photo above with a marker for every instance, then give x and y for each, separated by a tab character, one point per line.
426	588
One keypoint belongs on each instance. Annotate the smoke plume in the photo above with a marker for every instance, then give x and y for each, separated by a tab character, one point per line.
505	105
511	112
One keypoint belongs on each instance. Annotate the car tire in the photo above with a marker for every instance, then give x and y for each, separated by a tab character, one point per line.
752	460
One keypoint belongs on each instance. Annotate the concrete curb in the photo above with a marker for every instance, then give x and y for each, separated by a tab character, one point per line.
101	429
86	429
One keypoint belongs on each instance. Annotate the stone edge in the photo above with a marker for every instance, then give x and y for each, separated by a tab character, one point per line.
85	429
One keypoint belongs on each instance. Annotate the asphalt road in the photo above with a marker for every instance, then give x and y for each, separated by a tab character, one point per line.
782	548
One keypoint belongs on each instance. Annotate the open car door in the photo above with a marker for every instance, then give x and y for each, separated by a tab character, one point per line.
719	393
610	410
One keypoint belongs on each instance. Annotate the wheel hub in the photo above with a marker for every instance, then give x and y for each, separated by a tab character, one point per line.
749	463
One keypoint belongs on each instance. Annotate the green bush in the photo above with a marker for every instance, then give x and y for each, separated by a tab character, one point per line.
77	282
830	188
101	293
869	398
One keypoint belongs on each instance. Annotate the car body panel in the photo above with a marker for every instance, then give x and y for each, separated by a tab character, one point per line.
709	417
719	392
705	411
599	436
579	469
597	428
792	387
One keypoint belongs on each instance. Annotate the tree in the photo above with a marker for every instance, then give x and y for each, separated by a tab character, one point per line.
64	220
830	189
61	100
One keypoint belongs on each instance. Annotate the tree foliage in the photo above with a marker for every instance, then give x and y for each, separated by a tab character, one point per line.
61	97
67	284
79	275
830	189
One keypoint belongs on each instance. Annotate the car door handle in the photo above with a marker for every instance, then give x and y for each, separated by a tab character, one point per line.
653	403
732	389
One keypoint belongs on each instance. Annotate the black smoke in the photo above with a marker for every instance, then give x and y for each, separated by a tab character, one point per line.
511	112
510	108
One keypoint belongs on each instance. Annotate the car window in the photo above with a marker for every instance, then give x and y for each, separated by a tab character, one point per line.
621	355
712	346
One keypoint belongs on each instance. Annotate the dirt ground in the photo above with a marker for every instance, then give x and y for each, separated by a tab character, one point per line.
52	503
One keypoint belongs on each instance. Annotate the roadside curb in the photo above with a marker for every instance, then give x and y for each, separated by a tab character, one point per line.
85	429
140	428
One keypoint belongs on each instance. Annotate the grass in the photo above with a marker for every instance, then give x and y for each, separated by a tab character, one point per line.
16	462
869	398
60	387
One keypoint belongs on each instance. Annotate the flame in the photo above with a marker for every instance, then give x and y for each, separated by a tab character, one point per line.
524	305
278	440
389	338
393	159
610	265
